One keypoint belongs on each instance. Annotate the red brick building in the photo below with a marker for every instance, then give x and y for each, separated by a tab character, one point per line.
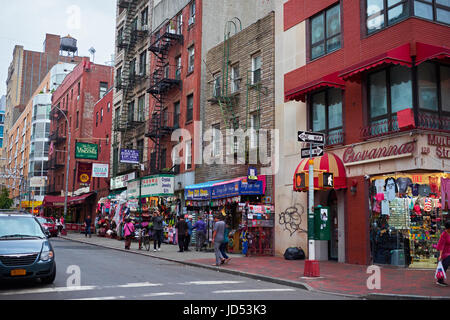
77	97
376	82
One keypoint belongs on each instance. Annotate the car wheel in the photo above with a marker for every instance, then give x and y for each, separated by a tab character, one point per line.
50	279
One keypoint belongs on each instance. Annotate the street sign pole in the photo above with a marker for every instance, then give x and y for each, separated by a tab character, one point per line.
311	243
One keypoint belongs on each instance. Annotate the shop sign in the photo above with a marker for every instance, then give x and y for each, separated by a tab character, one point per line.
252	175
197	194
129	156
84	172
225	190
378	154
442	143
120	181
38	182
161	185
86	151
255	188
30	204
133	189
100	170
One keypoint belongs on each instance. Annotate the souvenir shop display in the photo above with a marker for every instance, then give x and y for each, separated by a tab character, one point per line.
408	212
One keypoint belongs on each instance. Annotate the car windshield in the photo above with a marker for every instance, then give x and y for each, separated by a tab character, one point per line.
19	227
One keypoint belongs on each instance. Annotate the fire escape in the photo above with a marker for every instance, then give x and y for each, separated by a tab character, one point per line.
164	78
128	121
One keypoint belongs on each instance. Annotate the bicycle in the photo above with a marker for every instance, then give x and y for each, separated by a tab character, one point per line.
144	238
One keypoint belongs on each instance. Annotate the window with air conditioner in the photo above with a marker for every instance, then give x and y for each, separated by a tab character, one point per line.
192	13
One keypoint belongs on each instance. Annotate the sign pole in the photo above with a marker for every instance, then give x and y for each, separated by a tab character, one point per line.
311	244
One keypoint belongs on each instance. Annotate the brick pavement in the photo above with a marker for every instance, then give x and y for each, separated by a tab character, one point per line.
338	278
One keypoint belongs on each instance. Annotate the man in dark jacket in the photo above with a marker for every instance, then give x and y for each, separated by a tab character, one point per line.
182	229
158	229
200	236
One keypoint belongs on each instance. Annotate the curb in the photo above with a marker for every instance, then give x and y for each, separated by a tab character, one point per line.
299	285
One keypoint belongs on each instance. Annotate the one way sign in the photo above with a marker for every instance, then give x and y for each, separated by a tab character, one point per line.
311	137
316	152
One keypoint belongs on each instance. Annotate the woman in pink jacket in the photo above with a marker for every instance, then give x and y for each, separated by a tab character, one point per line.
444	248
128	233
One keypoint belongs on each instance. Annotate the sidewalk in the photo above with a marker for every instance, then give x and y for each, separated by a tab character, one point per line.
336	278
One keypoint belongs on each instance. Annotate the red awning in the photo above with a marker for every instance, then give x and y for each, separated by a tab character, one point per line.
399	56
425	52
299	93
328	163
79	199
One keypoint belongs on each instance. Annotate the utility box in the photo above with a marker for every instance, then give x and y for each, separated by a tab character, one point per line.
319	224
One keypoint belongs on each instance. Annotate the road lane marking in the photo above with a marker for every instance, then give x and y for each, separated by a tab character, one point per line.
138	285
252	290
49	290
160	294
100	298
199	283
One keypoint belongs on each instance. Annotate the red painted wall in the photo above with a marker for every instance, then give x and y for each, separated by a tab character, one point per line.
295	11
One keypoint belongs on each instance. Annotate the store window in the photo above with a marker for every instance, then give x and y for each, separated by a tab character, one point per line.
389	90
325	32
326	114
406	218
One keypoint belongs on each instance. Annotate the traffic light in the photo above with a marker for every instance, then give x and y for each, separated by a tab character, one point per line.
301	180
326	180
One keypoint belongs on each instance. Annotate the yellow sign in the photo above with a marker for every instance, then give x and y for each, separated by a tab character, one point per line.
84	178
30	204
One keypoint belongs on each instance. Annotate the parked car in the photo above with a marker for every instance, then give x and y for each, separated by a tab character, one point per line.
25	251
50	225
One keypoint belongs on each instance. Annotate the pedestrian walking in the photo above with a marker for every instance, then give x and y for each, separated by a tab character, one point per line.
200	235
87	226
187	239
223	246
59	225
217	239
158	229
444	249
128	232
182	230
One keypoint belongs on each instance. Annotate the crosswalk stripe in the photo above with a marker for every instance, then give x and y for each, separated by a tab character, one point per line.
100	298
199	283
138	285
49	290
253	290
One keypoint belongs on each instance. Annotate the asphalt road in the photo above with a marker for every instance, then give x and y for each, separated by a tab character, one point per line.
86	272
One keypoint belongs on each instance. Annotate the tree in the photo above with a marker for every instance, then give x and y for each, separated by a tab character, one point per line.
5	201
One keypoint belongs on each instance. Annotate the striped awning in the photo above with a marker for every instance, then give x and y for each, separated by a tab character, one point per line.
326	163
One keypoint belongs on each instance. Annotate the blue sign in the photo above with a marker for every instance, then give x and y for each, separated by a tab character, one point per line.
129	156
225	190
255	188
199	192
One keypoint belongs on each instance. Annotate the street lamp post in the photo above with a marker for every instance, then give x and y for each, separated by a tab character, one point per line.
67	164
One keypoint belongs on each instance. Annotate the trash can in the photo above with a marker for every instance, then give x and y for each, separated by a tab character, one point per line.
398	258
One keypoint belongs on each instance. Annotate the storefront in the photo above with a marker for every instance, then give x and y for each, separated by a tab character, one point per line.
400	184
241	202
330	185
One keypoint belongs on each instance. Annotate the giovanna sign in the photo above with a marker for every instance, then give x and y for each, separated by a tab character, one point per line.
352	157
86	151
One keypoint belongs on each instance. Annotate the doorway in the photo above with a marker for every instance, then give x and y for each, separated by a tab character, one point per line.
333	244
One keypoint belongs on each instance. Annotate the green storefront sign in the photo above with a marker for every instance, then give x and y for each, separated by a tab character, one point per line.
86	151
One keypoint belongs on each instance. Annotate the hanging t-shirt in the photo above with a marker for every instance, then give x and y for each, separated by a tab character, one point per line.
391	188
379	185
415	190
404	184
424	190
385	207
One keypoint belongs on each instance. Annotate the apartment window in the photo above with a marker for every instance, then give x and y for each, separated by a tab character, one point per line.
190	108
192	13
67	100
176	115
119	78
103	89
131	112
389	90
101	115
434	88
144	17
141	107
178	71
191	56
115	161
166	71
254	125
71	94
216	141
236	140
216	86
326	114
325	32
133	67
188	158
436	10
163	157
180	24
117	116
143	63
78	118
140	148
96	120
382	13
235	79
109	107
79	89
256	68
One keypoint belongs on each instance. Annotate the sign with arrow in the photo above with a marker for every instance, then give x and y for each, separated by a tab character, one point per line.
316	152
311	137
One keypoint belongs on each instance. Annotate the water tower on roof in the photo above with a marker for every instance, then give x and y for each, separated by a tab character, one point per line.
69	46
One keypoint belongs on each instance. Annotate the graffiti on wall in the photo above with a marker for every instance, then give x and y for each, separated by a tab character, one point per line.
291	219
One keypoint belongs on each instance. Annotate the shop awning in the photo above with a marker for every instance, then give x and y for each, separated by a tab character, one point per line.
300	93
200	191
80	199
397	56
328	163
425	52
238	186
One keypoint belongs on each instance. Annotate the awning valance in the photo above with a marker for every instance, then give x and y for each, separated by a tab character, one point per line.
79	199
300	93
397	56
425	52
328	163
58	201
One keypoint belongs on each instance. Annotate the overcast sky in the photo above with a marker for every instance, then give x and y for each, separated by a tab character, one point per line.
25	22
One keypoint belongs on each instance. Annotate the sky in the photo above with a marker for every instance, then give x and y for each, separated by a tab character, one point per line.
25	22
